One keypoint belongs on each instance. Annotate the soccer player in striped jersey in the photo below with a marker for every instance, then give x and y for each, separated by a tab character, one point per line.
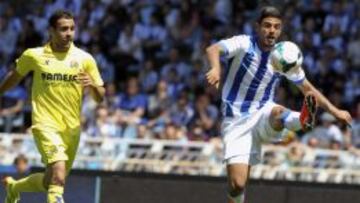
247	83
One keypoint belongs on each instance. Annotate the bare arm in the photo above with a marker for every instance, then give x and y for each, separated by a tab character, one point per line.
10	81
341	115
213	53
97	92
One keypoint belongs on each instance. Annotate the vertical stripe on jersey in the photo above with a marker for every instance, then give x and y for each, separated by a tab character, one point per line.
245	63
226	63
228	110
250	94
268	89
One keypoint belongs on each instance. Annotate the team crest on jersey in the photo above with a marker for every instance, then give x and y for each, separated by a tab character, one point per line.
74	64
47	62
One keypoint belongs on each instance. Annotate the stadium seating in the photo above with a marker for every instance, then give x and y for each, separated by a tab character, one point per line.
295	162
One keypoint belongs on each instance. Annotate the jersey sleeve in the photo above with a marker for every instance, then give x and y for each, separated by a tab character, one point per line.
296	75
25	63
233	45
92	69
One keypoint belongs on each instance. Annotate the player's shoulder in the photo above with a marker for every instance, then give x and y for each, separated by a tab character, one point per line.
33	52
244	39
80	53
238	39
244	36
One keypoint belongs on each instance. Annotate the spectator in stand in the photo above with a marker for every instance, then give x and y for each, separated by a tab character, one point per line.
181	112
22	166
106	68
10	27
196	133
148	77
111	99
175	84
336	18
174	132
129	49
197	76
181	69
88	110
328	134
104	125
143	132
353	53
129	44
160	100
205	115
11	109
158	108
295	155
155	35
131	108
29	37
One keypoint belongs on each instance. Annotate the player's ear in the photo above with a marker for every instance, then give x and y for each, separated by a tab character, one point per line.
51	30
257	26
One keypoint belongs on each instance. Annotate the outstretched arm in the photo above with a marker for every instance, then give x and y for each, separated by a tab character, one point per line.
342	115
10	81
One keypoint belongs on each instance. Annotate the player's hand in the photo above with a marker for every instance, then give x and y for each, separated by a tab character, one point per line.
213	77
85	79
343	116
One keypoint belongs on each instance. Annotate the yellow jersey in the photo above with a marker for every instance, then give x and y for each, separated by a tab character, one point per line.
56	91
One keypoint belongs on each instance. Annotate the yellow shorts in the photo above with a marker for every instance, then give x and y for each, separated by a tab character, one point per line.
57	146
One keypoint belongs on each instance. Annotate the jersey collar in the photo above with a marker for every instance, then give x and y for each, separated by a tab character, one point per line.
47	49
256	43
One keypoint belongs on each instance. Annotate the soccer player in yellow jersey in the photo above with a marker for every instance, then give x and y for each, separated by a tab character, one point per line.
61	71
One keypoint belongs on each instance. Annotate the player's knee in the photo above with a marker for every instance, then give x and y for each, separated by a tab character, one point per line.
46	181
277	111
54	179
55	174
237	186
275	118
58	180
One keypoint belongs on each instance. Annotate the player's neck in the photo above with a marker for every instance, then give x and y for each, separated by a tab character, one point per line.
57	48
263	47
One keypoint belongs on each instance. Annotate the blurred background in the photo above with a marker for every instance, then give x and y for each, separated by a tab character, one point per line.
159	115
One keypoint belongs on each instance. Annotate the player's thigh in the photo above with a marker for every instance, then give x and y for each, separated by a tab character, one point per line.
238	175
71	138
275	117
50	145
240	142
264	129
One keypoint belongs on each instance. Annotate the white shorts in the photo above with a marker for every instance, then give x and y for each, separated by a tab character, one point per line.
243	136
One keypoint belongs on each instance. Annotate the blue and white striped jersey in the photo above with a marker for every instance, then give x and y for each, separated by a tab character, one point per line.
249	81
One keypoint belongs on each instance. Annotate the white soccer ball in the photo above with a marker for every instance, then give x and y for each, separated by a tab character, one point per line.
285	56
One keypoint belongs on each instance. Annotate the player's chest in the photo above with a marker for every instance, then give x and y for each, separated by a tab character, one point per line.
52	64
255	64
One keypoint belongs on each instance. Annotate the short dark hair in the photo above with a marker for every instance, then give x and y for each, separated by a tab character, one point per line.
269	11
20	157
59	14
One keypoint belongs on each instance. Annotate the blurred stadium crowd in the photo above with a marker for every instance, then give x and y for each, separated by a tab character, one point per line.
151	55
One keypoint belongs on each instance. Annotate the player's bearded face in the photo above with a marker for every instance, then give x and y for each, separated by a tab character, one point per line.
269	31
63	34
